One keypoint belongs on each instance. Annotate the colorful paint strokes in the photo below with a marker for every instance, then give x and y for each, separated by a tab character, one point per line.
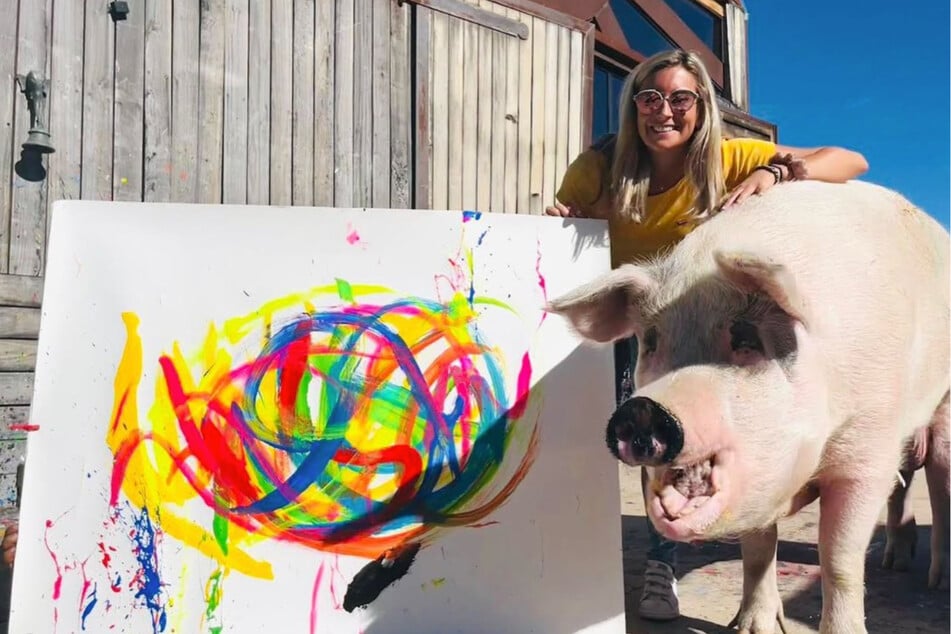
349	419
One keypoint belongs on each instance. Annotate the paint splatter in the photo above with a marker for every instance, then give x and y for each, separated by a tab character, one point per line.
58	581
541	278
24	427
116	584
147	582
87	598
212	601
471	215
352	236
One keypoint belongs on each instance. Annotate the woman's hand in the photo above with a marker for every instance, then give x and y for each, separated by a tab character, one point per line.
9	544
756	183
562	210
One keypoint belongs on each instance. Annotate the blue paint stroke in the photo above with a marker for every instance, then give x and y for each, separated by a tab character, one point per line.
150	590
471	215
89	606
482	237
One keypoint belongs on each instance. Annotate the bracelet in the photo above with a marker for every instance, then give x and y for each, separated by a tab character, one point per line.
795	166
772	169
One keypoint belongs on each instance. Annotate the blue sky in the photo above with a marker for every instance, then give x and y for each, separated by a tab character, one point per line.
872	76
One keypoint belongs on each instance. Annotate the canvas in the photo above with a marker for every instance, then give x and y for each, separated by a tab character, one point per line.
255	419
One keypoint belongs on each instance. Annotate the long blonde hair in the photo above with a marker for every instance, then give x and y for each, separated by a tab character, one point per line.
630	172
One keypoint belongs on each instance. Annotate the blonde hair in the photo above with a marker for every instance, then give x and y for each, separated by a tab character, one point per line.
630	172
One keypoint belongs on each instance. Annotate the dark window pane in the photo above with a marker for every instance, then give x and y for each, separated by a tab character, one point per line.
706	25
599	119
641	33
608	84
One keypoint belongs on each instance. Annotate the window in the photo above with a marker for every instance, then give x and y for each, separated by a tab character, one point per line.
707	26
608	84
641	33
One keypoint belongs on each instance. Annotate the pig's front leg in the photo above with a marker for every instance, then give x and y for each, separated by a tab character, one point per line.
848	511
762	608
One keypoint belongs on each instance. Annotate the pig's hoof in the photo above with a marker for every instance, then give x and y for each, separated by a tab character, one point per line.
900	545
760	619
936	572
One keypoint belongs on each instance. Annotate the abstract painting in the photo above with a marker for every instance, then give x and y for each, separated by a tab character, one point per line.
316	420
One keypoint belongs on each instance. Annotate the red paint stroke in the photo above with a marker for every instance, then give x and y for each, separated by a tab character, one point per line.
24	427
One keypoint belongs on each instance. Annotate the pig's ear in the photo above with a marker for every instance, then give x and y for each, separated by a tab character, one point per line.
752	273
608	308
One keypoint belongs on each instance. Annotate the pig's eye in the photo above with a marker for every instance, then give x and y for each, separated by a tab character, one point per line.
744	337
650	340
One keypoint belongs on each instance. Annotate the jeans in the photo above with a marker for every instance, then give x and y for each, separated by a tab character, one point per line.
625	359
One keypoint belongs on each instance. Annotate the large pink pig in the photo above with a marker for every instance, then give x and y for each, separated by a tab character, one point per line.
789	348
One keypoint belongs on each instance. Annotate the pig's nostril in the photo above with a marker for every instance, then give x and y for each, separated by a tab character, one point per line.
624	431
653	433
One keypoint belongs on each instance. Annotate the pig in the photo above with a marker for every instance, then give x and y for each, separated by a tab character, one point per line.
789	350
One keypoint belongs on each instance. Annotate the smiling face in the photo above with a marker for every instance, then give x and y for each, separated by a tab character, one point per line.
665	128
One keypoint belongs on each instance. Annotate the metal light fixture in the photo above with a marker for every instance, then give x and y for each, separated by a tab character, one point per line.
34	88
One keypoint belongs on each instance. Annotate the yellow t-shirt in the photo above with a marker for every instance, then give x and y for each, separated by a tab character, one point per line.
666	219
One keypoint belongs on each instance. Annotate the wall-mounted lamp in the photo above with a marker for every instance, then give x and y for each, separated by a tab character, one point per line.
30	166
34	88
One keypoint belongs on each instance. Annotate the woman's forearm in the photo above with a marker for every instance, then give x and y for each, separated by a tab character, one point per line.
830	164
835	165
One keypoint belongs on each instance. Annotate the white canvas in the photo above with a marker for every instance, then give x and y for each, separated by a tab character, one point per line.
172	381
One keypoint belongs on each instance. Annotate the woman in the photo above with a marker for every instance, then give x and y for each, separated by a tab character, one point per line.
665	171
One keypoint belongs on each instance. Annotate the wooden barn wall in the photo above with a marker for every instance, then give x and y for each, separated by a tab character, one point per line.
289	102
504	115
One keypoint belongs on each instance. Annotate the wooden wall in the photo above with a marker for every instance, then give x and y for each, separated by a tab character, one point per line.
506	113
362	103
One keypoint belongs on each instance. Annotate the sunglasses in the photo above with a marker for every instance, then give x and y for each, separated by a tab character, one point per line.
650	100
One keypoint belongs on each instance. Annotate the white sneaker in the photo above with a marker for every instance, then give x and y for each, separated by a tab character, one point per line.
659	601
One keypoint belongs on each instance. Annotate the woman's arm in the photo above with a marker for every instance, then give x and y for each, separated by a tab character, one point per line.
581	194
830	164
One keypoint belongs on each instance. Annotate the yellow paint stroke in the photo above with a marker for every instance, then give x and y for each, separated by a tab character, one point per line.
146	483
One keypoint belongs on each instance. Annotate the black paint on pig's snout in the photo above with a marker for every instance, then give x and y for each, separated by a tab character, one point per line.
639	422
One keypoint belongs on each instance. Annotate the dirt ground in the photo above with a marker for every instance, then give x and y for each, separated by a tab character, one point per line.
710	576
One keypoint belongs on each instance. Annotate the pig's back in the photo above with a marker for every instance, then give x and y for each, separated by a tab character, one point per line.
874	270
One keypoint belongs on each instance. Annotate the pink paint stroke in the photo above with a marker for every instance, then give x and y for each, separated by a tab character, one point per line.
58	583
313	599
541	278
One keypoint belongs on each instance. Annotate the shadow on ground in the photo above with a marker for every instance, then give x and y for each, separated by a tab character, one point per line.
711	584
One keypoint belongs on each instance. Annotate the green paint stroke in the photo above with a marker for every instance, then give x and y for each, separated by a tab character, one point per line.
345	290
220	526
214	599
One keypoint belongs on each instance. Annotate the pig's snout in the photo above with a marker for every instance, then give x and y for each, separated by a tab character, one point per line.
643	432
